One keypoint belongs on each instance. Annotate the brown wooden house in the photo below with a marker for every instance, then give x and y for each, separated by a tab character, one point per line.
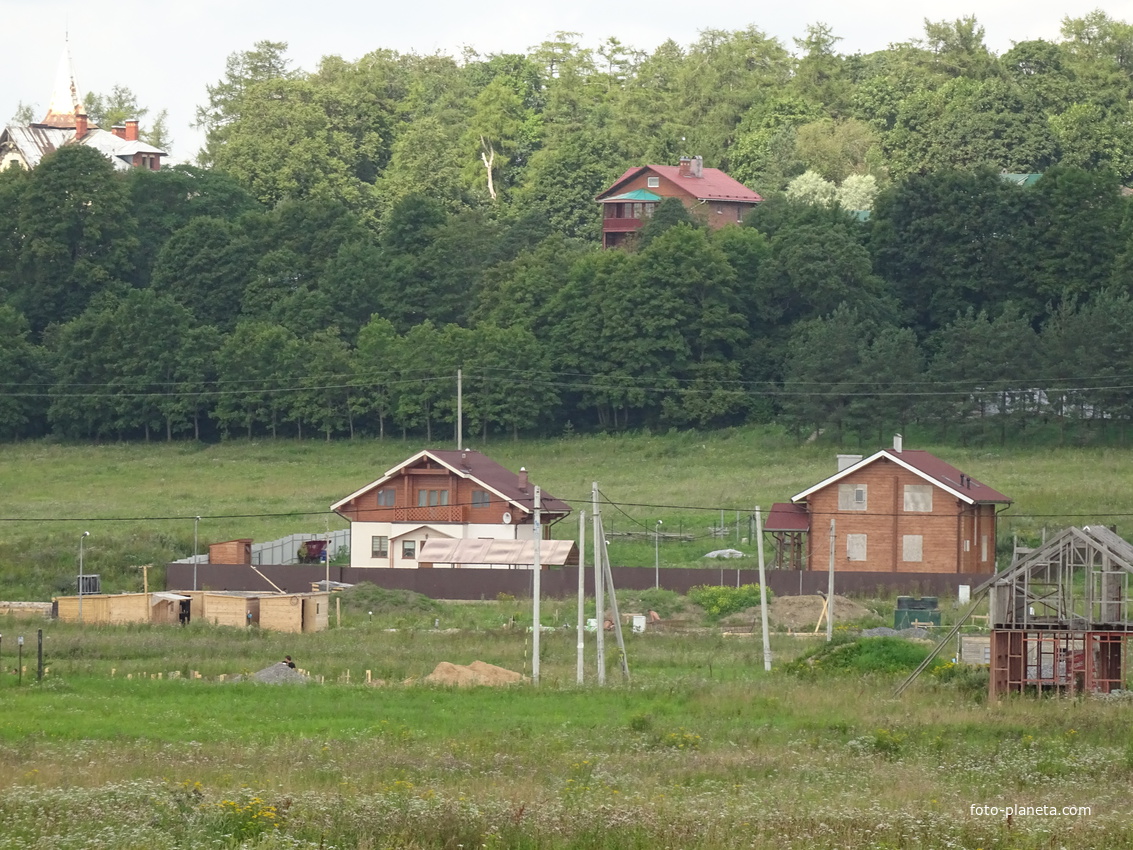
709	194
447	495
902	511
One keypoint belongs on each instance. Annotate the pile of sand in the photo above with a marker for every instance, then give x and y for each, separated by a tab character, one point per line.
802	612
476	673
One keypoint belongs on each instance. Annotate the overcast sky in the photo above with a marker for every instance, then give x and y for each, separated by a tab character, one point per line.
168	52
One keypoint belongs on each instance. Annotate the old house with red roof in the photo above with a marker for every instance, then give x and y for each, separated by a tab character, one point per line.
899	511
66	123
451	508
708	193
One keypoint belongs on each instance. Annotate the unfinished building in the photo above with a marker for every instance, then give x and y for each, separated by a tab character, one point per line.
1059	615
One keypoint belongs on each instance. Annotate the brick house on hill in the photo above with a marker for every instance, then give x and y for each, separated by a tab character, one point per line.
708	193
449	496
902	511
66	123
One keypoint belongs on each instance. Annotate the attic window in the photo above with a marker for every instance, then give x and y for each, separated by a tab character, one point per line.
653	182
386	498
852	497
918	498
481	499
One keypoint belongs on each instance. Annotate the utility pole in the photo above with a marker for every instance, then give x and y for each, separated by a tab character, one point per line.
580	673
459	409
763	591
599	580
830	590
538	529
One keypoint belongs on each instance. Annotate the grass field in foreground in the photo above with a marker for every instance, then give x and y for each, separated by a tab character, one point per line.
139	501
702	750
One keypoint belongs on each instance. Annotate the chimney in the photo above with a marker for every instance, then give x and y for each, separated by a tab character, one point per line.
897	443
119	130
131	130
523	479
846	461
80	125
685	167
697	166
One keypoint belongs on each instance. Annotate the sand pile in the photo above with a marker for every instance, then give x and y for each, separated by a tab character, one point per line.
476	673
802	612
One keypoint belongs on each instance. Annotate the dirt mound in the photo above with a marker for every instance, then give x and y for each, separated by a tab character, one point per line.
802	612
476	673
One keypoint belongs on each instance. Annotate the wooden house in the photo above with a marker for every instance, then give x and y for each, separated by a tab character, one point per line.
1059	615
454	495
902	511
290	612
709	194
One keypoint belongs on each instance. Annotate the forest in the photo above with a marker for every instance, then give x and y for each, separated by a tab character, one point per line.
945	240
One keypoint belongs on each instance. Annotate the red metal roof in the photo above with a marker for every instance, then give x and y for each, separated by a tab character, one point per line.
472	464
928	466
712	185
787	517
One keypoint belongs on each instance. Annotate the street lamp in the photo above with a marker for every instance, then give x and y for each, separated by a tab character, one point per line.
657	554
86	534
196	522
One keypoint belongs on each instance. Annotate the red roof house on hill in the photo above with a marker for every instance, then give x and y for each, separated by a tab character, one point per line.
708	193
904	511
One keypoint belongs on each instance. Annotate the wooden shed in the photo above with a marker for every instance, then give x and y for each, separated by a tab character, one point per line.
231	552
300	612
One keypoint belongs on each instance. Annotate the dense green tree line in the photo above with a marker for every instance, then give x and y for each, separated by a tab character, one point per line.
355	235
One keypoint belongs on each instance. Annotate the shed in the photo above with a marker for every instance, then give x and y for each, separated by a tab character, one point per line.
231	552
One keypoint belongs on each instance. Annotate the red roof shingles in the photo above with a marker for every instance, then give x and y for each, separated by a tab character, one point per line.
787	517
947	474
712	185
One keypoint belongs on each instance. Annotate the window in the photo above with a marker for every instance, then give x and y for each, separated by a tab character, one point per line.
918	498
648	210
379	547
852	497
409	549
983	547
653	182
431	498
855	547
386	498
481	499
912	548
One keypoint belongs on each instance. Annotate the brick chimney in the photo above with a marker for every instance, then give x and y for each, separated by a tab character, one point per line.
692	166
131	130
119	130
523	479
686	166
81	125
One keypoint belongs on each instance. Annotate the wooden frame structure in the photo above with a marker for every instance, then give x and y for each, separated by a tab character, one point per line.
1059	616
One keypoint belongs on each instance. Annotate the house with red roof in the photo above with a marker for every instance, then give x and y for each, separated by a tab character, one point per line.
708	193
459	504
901	511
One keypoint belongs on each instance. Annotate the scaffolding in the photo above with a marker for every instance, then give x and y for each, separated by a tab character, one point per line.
1059	615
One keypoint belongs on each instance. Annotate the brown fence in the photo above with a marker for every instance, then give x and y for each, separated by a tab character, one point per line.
559	582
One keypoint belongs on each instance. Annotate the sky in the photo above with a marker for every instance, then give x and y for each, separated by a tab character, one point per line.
167	53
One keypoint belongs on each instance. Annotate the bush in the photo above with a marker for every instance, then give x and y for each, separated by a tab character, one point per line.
863	655
718	601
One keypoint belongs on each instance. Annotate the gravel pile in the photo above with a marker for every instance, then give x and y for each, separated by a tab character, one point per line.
909	634
278	674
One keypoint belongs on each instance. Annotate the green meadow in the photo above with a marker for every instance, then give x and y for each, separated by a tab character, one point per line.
121	746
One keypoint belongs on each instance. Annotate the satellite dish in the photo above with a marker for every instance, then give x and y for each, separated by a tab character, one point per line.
506	517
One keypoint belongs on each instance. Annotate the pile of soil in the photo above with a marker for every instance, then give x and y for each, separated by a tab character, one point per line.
802	612
476	673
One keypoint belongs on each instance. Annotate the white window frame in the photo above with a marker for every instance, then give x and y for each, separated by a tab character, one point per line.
653	182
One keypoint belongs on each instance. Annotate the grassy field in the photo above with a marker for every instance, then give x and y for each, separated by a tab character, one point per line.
139	501
702	749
